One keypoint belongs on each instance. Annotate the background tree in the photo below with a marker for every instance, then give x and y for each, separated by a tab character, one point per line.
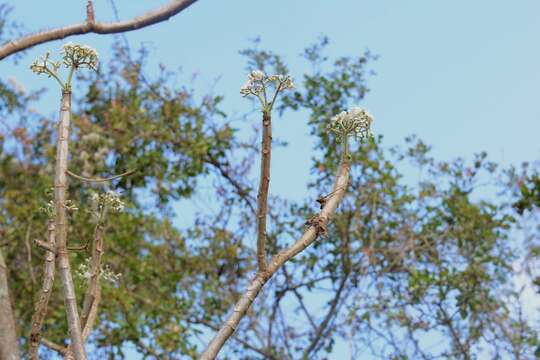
408	269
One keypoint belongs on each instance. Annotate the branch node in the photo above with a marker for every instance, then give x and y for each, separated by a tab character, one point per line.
44	245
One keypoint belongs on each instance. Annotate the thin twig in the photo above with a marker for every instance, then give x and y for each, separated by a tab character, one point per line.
82	178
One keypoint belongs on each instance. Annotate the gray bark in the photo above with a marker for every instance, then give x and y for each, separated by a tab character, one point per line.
62	258
9	346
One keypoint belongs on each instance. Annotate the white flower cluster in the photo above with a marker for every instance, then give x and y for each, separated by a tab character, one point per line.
109	200
84	271
48	209
41	65
70	205
258	81
77	56
355	122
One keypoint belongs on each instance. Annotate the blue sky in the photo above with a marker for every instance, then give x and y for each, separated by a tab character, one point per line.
463	75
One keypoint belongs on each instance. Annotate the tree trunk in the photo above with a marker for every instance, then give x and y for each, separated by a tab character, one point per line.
9	347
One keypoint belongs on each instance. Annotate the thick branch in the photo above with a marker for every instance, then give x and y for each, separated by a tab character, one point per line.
41	306
9	347
90	26
60	190
309	236
262	195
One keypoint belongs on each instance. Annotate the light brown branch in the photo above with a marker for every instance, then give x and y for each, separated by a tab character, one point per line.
82	178
47	246
93	291
90	26
48	279
309	236
90	16
29	254
262	195
62	350
60	190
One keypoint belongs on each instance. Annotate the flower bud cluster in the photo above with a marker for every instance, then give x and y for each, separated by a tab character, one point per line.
41	65
109	200
79	56
355	122
84	271
258	81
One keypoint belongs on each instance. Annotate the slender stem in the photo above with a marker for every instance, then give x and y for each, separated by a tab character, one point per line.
264	183
55	76
275	96
41	306
260	279
67	86
96	180
60	189
92	295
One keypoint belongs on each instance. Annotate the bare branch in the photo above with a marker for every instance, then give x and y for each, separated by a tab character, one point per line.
93	291
47	246
90	16
309	236
48	279
54	346
264	183
90	26
82	178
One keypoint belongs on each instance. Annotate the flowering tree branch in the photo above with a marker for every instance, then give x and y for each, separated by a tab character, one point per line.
356	122
91	26
74	57
258	84
309	236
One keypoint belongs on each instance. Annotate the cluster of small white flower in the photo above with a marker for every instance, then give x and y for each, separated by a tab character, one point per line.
258	81
48	209
70	205
41	65
110	199
79	56
355	122
105	272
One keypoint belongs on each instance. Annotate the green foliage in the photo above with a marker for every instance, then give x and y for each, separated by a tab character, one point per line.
408	258
530	194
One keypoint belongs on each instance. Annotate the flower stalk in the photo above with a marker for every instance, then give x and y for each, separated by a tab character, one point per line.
317	226
257	85
74	57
